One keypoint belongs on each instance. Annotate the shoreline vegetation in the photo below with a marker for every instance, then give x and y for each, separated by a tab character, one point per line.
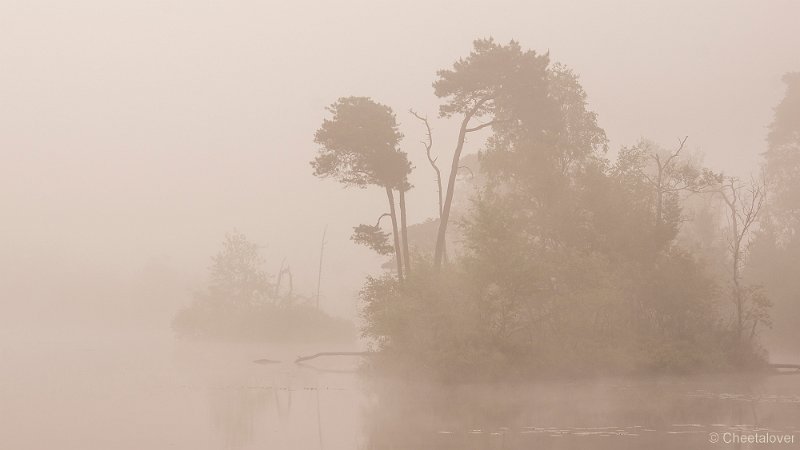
244	303
545	257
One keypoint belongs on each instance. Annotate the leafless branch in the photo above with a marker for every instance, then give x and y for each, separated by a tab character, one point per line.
378	223
431	160
471	173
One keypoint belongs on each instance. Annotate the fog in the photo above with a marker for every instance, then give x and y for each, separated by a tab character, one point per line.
133	132
136	136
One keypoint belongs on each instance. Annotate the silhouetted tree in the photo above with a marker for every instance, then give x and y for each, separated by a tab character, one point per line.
668	175
744	202
359	147
502	83
569	262
783	163
237	275
775	257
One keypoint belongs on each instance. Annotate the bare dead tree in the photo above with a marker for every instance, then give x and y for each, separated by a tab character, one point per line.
280	277
319	272
664	168
675	176
428	144
287	270
744	202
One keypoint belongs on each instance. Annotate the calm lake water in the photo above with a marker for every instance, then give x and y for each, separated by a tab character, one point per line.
139	391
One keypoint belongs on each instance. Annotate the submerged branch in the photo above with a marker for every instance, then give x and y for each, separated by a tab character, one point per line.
317	355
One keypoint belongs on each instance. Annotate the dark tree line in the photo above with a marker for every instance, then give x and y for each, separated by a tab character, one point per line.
775	255
568	261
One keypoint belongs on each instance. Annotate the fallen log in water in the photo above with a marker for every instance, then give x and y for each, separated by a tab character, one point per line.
784	369
317	355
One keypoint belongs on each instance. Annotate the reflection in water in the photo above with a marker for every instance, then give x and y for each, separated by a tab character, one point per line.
346	411
235	413
136	392
664	413
283	405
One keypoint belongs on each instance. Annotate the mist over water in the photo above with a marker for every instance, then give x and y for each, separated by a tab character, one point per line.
135	390
129	391
181	218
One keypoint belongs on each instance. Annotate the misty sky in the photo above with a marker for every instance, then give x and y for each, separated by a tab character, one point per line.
143	130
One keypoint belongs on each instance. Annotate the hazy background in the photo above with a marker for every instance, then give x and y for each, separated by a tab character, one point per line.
133	135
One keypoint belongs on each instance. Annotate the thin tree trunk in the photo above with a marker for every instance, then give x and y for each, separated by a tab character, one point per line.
432	161
659	200
451	182
404	232
737	290
319	273
395	234
439	190
736	256
448	200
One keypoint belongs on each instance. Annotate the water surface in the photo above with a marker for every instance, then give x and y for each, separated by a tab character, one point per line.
149	391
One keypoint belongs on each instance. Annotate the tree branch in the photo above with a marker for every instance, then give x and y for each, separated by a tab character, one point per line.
431	160
481	126
682	143
471	173
378	223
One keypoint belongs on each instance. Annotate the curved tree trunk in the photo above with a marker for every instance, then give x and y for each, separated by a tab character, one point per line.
448	200
404	232
451	182
395	235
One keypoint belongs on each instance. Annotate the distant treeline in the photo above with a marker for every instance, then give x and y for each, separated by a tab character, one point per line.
545	256
244	303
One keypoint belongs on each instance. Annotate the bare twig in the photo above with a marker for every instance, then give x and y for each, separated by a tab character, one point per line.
431	160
